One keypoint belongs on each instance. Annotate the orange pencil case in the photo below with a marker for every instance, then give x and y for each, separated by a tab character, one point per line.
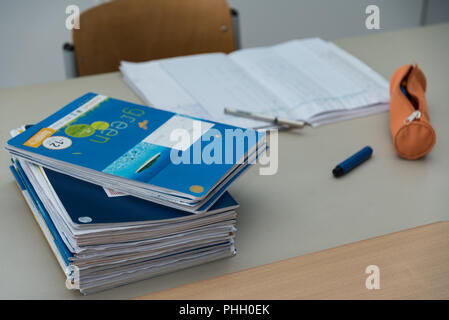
413	136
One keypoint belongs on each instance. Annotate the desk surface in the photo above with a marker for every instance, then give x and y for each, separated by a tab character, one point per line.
301	209
413	264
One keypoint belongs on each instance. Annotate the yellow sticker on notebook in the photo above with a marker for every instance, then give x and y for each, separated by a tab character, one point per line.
196	189
36	140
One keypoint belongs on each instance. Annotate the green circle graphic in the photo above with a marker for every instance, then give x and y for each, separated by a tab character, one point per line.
79	131
100	125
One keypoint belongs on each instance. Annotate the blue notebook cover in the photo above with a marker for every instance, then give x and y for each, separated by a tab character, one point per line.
88	203
135	142
86	200
26	186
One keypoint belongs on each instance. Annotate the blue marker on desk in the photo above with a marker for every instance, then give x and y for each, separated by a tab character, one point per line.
352	162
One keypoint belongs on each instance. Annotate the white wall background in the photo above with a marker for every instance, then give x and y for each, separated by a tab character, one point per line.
32	31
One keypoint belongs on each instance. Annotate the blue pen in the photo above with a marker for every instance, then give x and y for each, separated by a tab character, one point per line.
404	89
352	162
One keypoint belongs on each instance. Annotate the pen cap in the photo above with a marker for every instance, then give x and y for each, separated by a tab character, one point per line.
412	133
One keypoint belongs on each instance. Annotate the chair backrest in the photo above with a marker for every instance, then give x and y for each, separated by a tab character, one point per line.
141	30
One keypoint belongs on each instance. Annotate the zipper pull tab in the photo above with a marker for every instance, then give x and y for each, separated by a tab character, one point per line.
415	115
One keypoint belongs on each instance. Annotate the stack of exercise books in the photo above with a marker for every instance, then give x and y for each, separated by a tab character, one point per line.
124	192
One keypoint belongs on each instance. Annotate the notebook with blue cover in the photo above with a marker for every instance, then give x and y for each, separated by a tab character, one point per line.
47	226
82	199
129	148
103	209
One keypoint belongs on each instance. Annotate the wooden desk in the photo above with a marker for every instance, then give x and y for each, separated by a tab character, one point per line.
299	210
413	264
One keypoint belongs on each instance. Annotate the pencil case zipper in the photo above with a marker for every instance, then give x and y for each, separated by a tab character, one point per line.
415	115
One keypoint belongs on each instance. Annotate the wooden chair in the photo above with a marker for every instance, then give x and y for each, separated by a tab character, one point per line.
142	30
